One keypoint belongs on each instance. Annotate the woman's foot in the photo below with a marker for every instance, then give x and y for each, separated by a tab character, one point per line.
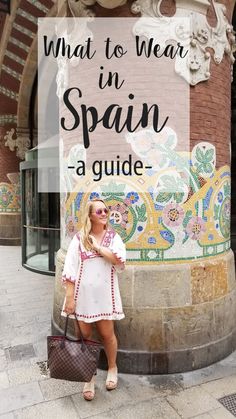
89	390
112	378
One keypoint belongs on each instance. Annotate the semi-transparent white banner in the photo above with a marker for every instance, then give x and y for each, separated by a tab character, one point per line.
114	104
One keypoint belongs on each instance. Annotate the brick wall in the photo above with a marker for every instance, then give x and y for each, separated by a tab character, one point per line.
211	109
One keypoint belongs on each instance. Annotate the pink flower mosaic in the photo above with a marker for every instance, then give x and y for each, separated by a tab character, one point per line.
119	214
195	228
173	215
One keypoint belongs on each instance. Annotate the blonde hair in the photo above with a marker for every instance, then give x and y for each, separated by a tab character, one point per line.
86	222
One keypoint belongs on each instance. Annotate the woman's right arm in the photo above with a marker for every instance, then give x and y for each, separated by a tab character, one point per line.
70	301
69	274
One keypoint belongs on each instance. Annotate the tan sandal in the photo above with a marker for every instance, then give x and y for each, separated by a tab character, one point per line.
112	379
89	390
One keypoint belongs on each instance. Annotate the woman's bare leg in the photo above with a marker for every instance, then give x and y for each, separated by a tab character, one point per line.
106	331
86	330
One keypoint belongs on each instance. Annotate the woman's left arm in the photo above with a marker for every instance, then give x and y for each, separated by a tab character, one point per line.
107	253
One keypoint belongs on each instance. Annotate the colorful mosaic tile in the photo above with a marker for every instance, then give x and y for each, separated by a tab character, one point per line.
191	221
9	198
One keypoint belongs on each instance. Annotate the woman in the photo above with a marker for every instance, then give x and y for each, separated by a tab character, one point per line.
92	289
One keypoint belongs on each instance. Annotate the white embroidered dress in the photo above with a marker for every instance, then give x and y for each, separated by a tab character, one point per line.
97	292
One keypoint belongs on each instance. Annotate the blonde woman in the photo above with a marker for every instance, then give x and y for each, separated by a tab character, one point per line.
92	290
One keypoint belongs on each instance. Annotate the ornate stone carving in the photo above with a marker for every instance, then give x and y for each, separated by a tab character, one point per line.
21	142
202	36
108	4
81	7
71	33
147	7
62	77
198	6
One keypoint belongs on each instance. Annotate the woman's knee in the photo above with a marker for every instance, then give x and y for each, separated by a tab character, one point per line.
108	337
105	329
86	330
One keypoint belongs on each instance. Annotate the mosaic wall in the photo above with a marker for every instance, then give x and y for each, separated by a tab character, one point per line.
10	198
174	220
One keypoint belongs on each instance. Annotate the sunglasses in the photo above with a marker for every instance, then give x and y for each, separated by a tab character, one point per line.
100	211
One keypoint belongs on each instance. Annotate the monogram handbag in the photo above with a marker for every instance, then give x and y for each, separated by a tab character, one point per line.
72	360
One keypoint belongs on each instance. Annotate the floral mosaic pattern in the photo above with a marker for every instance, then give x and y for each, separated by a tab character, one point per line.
222	210
173	215
153	148
195	228
9	198
119	215
191	220
204	159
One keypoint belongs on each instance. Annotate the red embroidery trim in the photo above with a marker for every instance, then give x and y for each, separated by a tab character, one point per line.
112	289
79	279
108	237
98	315
105	242
93	316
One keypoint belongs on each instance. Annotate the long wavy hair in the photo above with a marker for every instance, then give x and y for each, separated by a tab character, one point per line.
86	222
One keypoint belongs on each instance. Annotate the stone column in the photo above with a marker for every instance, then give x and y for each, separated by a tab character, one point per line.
178	289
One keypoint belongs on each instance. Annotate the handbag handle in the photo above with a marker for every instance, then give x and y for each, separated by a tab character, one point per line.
83	346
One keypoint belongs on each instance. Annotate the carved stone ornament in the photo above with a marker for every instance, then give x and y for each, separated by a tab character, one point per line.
71	33
80	8
200	37
108	4
21	142
62	76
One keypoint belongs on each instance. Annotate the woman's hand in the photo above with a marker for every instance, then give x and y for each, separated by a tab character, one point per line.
94	243
69	305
